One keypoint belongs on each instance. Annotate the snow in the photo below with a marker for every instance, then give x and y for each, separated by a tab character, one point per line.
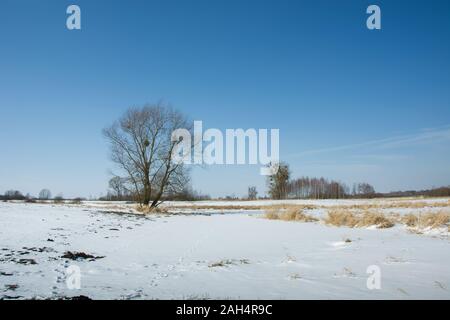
239	255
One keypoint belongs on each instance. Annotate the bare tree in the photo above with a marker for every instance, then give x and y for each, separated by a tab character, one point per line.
59	198
45	194
141	146
117	184
252	193
364	189
316	188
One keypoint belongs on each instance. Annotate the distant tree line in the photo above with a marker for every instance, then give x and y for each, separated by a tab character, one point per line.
44	195
281	186
315	188
118	191
12	195
435	192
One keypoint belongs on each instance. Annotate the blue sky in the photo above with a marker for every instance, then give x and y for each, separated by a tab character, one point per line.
351	104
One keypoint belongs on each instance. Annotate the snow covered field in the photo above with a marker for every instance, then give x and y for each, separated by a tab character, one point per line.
215	254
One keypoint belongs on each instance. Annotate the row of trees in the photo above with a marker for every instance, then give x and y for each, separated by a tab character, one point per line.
118	191
281	186
316	188
13	195
435	192
141	146
44	194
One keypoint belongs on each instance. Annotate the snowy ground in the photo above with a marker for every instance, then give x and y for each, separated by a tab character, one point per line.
237	254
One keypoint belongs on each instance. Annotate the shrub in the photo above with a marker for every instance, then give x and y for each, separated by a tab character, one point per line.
77	201
58	200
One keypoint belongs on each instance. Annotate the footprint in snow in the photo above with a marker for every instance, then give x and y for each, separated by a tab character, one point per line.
345	273
394	260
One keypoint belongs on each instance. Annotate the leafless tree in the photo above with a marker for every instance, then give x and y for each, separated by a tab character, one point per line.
316	188
141	147
252	193
117	184
364	189
45	194
59	198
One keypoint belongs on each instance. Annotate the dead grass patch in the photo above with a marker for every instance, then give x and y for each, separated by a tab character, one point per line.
394	205
271	215
341	218
149	209
374	205
427	220
375	219
245	207
292	214
435	220
411	220
346	218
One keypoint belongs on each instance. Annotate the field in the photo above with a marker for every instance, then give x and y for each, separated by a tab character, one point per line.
229	250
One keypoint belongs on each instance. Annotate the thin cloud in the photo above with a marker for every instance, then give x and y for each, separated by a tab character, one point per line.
427	136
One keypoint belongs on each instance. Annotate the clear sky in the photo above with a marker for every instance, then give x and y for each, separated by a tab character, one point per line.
351	104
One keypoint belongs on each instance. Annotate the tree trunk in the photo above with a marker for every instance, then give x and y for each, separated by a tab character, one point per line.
154	203
146	197
146	200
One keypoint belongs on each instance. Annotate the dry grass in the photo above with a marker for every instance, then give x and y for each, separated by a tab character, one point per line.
244	207
216	207
346	218
292	214
372	205
418	204
375	219
272	215
148	209
411	220
435	220
413	204
427	220
341	217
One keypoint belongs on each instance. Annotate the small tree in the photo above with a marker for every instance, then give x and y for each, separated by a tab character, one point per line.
117	184
45	194
252	193
59	198
365	189
278	182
